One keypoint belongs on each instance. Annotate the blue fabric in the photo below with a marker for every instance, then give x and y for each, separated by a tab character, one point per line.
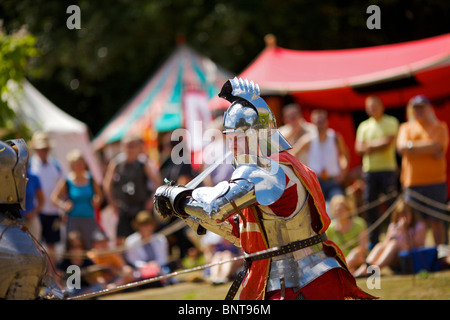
81	196
33	185
418	259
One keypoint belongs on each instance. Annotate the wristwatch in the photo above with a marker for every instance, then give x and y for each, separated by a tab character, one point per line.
409	145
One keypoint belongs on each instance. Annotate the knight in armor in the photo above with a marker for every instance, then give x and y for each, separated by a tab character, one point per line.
23	265
272	201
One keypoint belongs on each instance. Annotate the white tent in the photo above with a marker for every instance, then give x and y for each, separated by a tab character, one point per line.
65	132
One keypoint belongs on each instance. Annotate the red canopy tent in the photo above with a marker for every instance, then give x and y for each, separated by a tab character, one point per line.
340	80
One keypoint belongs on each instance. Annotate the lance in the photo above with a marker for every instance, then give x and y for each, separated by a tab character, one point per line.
146	281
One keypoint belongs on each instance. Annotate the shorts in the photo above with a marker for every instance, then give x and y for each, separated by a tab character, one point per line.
435	192
126	218
50	228
85	226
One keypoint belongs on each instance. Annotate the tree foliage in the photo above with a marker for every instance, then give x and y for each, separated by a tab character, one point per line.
93	71
15	52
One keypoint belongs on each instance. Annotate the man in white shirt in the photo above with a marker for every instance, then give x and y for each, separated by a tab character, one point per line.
295	126
327	154
49	173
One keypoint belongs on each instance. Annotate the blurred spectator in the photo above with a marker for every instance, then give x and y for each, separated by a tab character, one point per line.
345	228
117	271
422	143
194	258
78	195
327	154
129	184
295	126
443	254
90	279
215	249
216	151
181	174
49	173
225	272
375	142
146	252
406	231
34	201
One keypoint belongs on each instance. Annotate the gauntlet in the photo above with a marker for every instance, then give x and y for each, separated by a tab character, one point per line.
168	198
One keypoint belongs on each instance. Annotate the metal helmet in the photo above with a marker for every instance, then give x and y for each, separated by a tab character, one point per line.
13	172
249	113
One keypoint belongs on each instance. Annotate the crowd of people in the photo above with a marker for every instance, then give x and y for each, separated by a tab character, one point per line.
64	209
399	161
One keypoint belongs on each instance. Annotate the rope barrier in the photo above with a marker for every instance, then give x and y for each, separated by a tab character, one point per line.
168	230
206	266
180	224
260	254
428	211
412	203
429	201
372	227
155	279
382	199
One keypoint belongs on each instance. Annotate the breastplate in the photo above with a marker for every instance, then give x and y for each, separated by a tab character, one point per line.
284	230
300	267
22	266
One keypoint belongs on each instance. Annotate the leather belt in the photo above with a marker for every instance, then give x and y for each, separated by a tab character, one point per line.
290	247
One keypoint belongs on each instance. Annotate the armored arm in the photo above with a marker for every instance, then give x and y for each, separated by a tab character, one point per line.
213	206
218	203
208	207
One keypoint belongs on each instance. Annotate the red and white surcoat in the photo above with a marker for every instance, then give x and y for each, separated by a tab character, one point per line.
317	272
310	218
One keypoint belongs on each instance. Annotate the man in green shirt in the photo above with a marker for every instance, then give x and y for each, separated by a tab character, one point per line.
375	142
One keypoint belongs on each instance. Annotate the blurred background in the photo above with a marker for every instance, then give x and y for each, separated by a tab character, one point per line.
148	67
92	72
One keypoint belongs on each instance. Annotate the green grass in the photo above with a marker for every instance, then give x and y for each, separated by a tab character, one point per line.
422	286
